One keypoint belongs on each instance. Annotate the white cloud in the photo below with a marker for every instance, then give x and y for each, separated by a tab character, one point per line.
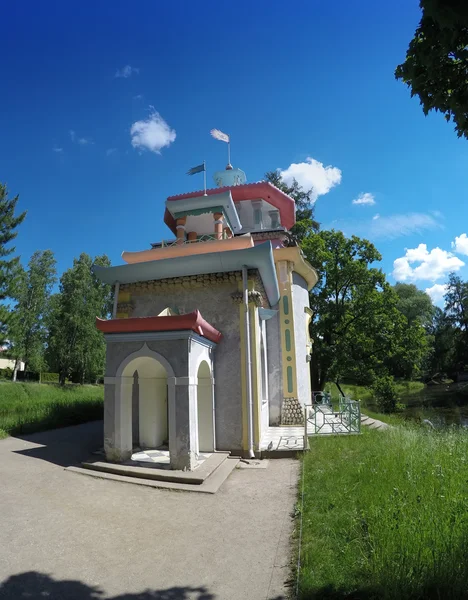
126	71
365	199
72	135
387	228
312	174
138	97
110	151
436	292
152	134
460	245
432	265
58	150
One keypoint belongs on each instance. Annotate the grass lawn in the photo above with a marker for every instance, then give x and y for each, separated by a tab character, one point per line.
30	407
386	516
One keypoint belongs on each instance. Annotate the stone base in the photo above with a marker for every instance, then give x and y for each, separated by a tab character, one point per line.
292	412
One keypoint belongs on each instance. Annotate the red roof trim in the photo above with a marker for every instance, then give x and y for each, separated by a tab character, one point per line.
249	191
193	321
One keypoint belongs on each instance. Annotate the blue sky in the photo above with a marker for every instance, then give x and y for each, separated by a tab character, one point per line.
306	87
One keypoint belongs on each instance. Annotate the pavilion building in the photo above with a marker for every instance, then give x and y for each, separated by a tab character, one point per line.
208	347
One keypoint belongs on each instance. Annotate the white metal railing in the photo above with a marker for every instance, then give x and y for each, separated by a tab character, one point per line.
202	238
328	416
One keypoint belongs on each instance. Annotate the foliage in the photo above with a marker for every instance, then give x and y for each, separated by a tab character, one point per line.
30	407
385	393
415	304
76	349
28	331
357	329
305	222
8	266
436	64
50	378
443	358
385	516
6	373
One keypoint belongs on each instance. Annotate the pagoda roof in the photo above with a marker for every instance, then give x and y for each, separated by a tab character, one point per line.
259	257
191	321
249	191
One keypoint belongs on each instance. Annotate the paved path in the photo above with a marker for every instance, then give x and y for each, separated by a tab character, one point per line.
66	536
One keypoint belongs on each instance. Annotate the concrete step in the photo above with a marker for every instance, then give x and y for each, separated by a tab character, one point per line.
210	486
196	477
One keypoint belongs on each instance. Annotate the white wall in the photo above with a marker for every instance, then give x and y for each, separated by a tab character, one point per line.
7	363
300	299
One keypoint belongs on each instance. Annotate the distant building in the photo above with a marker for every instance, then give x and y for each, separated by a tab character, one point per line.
208	346
9	363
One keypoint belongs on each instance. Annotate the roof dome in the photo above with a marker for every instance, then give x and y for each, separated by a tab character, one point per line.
230	177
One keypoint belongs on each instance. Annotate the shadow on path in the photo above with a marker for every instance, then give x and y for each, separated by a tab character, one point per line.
32	585
37	586
67	446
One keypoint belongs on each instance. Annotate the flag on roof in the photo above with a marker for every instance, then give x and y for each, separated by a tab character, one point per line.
197	169
219	135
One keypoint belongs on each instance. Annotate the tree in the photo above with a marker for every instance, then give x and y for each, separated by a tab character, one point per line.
76	348
8	267
456	313
415	304
28	331
436	65
445	341
305	222
357	329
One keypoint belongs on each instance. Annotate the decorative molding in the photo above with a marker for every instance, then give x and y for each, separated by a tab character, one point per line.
151	336
255	297
292	412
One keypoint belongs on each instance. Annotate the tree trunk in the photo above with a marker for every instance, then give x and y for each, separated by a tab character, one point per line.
337	383
15	370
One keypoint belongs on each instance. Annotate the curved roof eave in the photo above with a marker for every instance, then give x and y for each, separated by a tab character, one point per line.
259	257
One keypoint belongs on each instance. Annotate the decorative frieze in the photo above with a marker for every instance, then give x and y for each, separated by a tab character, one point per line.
255	297
193	281
292	412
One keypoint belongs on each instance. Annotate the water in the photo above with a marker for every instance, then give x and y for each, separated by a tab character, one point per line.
442	404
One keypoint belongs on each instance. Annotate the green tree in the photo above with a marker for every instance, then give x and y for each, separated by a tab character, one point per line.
76	348
436	65
305	221
28	331
456	313
415	304
9	267
445	342
357	329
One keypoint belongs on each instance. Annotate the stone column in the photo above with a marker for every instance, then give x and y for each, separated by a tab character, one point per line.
180	225
118	421
218	225
192	236
183	433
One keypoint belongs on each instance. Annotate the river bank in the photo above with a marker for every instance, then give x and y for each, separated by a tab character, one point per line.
443	404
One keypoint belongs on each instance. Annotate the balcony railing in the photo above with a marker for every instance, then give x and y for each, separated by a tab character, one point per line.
202	238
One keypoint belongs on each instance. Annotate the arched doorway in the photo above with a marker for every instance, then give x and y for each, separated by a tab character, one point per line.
146	377
205	408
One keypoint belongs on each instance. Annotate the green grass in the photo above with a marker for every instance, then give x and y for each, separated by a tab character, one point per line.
30	407
386	516
359	392
368	407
